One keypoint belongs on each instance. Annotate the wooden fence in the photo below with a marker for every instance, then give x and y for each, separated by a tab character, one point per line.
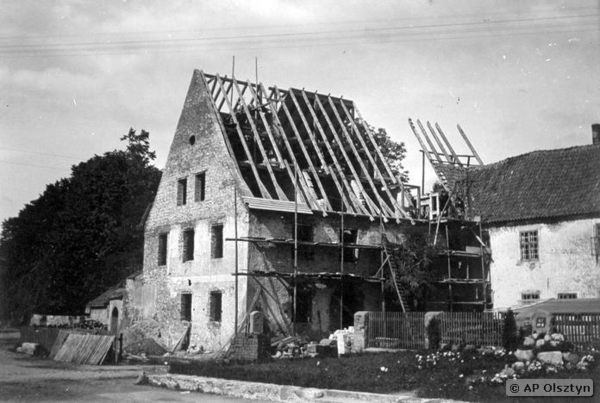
478	328
396	330
581	329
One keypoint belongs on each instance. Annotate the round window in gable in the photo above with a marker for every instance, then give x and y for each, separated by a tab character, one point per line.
192	140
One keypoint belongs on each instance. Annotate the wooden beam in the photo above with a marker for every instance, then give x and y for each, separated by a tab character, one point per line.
281	195
376	147
443	136
433	150
382	204
439	143
302	147
225	94
329	149
423	146
464	136
351	207
369	156
245	190
263	190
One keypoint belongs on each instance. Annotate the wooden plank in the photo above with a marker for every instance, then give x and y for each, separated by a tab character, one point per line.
376	147
328	146
281	195
426	137
263	190
439	143
350	207
225	93
443	136
302	147
393	201
464	136
383	207
369	155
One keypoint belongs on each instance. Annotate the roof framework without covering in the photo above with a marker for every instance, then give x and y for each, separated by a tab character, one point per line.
280	138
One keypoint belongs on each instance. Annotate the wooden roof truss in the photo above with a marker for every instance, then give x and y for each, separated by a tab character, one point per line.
296	144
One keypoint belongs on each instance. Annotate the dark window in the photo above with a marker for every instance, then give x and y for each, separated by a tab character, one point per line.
215	306
216	238
200	186
186	307
567	295
596	241
529	297
305	234
162	249
349	236
188	245
181	191
529	245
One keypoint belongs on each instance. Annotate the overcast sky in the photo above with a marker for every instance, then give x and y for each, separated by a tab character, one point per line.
76	75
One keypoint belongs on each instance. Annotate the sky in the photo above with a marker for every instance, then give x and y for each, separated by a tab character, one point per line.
75	75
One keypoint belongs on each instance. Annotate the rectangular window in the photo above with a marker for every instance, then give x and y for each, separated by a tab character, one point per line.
200	186
529	297
181	192
567	295
305	234
188	245
349	236
215	306
162	249
529	245
216	239
186	307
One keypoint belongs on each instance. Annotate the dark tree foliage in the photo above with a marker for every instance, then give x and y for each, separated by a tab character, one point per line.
510	334
83	234
434	333
393	152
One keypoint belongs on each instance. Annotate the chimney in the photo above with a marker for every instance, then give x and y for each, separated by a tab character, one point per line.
596	133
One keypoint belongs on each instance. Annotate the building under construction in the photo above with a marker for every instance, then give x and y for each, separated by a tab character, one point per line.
281	202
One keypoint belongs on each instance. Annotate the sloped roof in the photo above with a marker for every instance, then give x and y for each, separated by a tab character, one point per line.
296	144
541	184
115	292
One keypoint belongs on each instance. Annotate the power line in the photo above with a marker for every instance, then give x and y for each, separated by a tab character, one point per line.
34	165
39	153
329	34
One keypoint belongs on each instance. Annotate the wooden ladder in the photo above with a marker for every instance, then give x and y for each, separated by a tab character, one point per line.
393	264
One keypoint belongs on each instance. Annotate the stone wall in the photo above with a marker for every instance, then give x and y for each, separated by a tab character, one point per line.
566	262
198	147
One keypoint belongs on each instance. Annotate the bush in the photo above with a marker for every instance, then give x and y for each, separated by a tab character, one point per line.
434	334
510	336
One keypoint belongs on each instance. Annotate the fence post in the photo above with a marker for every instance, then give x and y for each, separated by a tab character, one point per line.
361	320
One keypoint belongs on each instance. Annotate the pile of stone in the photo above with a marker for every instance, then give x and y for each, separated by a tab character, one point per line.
549	353
33	349
290	347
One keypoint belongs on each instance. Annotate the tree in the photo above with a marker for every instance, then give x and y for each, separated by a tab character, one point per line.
83	234
392	151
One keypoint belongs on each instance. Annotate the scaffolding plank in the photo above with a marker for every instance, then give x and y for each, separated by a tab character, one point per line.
258	203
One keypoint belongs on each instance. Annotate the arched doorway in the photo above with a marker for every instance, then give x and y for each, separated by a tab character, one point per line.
114	320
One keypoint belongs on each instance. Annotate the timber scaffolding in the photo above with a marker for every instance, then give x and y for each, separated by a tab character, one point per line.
466	271
302	152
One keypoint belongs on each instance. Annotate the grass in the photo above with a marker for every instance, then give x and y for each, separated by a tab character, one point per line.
442	375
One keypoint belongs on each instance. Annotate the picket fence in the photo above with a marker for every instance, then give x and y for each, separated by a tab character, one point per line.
398	330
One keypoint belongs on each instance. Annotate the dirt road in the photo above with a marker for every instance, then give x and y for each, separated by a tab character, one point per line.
30	379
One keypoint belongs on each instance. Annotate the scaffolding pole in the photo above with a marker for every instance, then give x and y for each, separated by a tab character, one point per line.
295	247
235	226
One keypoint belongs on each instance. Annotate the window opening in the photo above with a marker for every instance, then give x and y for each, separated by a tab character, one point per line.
216	242
567	295
529	245
162	249
181	191
188	245
186	307
529	297
350	236
215	306
200	187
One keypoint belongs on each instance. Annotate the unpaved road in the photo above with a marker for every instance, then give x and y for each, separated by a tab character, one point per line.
30	379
